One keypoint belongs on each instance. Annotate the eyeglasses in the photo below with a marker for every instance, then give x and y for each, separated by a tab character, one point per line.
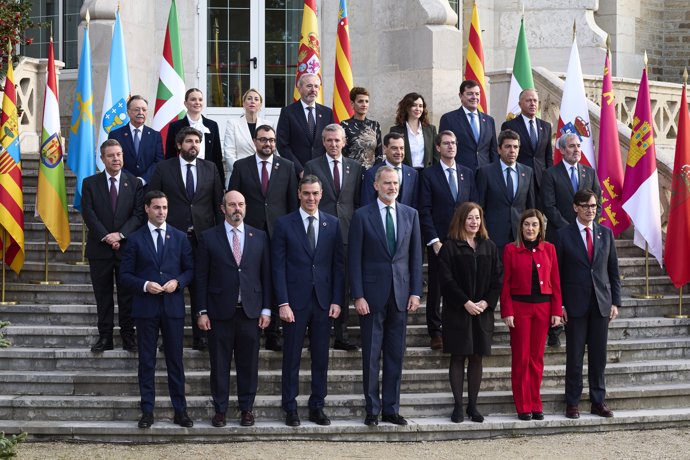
267	140
588	206
448	143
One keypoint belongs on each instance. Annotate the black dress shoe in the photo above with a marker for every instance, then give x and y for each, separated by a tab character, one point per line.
317	416
247	418
474	415
182	419
344	345
537	416
572	412
146	420
292	419
218	420
371	420
200	344
129	343
395	419
526	416
457	416
436	343
602	410
103	344
274	344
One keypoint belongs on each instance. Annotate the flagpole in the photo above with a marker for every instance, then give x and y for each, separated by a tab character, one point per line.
680	314
46	281
646	294
83	260
4	245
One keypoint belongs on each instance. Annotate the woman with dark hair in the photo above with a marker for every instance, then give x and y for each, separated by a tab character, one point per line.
470	277
412	121
530	303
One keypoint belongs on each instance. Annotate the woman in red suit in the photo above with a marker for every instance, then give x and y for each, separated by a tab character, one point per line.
530	302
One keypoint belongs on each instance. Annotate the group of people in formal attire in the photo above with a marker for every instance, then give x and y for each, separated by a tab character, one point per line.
292	223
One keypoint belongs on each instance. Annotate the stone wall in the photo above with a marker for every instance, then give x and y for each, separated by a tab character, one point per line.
676	46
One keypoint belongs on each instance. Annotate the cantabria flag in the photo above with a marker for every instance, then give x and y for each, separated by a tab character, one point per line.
522	74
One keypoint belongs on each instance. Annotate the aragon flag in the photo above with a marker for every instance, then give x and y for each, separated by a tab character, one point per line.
474	61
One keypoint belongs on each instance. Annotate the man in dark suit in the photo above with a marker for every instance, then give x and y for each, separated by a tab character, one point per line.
210	148
385	263
475	131
194	192
394	152
591	295
142	146
156	267
535	138
301	123
505	189
341	178
233	288
444	186
308	273
112	208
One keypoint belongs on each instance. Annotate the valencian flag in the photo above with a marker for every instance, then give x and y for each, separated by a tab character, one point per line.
309	51
677	253
474	63
11	196
170	96
342	109
51	197
574	117
82	141
522	74
609	167
116	90
641	184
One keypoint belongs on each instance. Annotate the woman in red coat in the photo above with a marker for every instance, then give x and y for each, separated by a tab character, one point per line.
530	302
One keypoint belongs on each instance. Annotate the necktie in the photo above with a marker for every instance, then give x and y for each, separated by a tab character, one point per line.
189	186
533	135
137	138
452	183
159	244
475	127
113	193
264	177
311	235
398	169
590	245
509	184
236	251
390	231
311	122
573	178
336	177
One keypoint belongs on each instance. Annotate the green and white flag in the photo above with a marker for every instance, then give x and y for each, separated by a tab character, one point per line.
522	74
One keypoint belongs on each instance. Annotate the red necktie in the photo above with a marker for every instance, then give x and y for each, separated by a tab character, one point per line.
590	245
336	178
236	250
264	178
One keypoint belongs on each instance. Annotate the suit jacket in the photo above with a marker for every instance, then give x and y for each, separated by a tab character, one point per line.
212	150
501	215
580	279
150	150
238	142
219	279
541	158
140	264
343	205
373	269
471	153
203	211
431	155
296	267
409	189
281	196
436	204
294	140
99	217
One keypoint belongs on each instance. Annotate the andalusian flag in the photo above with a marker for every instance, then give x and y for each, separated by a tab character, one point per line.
170	96
342	110
309	51
11	196
474	64
522	74
51	198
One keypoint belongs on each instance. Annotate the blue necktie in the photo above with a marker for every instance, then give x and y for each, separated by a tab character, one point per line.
159	244
189	186
475	128
509	184
573	178
453	185
137	139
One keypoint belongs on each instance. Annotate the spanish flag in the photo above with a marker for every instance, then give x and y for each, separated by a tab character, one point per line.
474	62
309	51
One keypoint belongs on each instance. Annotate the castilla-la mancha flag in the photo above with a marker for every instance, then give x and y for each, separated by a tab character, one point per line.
609	167
309	51
474	61
677	253
641	183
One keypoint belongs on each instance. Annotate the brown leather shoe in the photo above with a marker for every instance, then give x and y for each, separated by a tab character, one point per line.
436	343
247	418
218	420
601	410
572	411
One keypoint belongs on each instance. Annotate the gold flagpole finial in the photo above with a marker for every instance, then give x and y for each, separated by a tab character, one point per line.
685	76
644	59
88	18
608	43
574	29
523	10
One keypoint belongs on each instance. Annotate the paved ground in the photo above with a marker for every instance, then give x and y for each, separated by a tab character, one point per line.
653	444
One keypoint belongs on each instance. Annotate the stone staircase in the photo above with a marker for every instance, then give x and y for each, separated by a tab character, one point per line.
53	387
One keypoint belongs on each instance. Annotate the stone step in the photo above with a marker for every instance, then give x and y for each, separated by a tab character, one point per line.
634	267
27	293
635	285
34	230
68	273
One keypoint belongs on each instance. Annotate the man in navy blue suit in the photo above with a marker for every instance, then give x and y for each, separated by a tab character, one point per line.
476	131
591	289
394	152
308	272
141	145
444	186
385	264
156	266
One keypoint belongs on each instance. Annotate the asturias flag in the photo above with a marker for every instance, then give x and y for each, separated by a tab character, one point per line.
343	81
522	74
474	62
309	51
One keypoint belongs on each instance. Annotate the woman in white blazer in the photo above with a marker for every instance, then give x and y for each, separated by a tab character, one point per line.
239	132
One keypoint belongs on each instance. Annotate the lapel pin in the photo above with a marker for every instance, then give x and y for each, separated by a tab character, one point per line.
251	234
167	237
522	174
462	176
126	134
275	166
324	224
125	184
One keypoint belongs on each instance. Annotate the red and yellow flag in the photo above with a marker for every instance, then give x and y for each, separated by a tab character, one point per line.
342	110
309	51
474	62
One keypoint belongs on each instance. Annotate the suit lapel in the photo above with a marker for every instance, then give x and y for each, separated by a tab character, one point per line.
375	218
521	129
443	179
244	129
465	123
325	171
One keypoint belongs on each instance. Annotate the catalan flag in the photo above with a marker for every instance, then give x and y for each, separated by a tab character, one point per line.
11	196
342	110
51	197
309	51
474	62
